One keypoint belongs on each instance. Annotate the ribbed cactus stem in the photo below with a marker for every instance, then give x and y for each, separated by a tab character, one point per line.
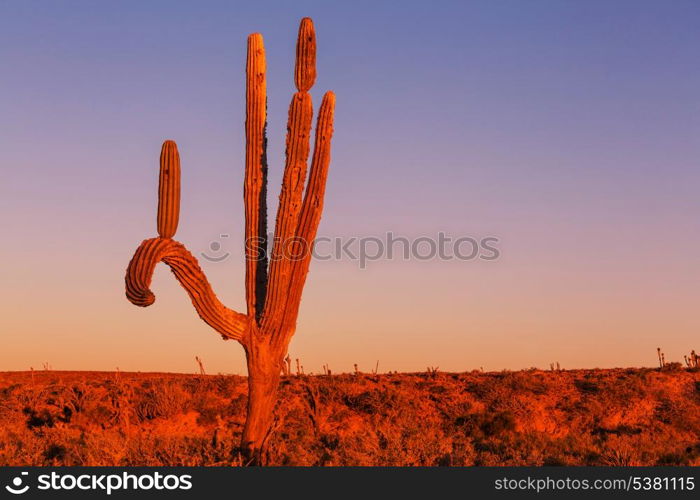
169	190
305	67
312	207
255	174
298	138
298	145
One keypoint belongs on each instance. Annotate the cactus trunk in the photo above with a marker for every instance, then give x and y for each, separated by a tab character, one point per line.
264	367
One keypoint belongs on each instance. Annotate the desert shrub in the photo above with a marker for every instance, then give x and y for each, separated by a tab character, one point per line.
55	453
553	461
487	423
101	414
437	389
209	415
7	392
524	382
164	401
587	386
617	458
39	418
330	441
454	411
370	402
212	408
79	397
225	384
237	405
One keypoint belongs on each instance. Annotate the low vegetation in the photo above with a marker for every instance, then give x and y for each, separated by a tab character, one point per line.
567	417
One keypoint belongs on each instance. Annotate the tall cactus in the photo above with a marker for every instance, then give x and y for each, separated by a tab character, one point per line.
272	301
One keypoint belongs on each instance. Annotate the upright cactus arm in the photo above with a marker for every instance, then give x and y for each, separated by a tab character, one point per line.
255	183
290	200
169	190
311	209
230	324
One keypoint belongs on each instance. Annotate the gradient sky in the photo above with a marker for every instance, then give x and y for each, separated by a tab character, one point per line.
569	130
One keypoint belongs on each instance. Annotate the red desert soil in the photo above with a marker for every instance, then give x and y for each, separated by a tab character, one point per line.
577	417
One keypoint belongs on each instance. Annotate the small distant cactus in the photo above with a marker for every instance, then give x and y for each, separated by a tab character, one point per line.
272	300
201	365
287	366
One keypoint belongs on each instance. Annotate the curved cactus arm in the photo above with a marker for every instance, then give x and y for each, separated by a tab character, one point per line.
311	209
255	183
230	324
290	200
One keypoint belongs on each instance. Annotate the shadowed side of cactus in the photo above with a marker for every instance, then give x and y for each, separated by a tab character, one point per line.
273	295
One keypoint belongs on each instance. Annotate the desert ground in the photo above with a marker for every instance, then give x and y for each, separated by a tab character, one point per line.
627	416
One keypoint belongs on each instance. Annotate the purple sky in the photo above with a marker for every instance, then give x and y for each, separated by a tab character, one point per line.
568	130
